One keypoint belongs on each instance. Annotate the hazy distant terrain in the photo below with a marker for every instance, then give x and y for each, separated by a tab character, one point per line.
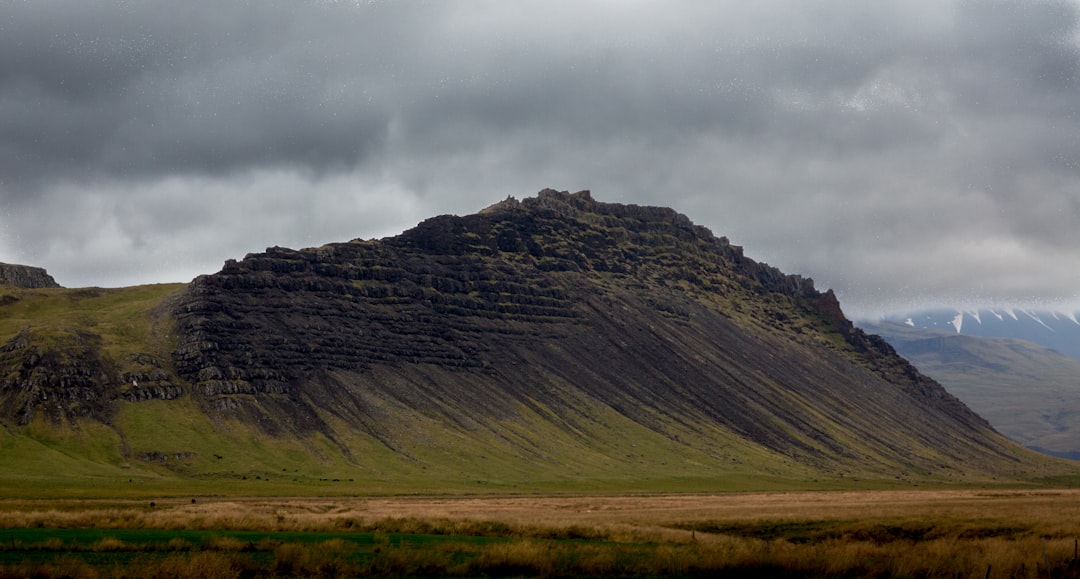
1052	329
1029	392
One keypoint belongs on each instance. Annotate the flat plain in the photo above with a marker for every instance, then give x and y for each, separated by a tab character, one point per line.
888	533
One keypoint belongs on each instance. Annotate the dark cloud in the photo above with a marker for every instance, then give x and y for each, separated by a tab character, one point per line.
147	89
918	152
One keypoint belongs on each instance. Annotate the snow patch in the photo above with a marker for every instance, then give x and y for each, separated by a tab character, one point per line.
1035	317
911	322
958	321
975	314
1012	313
1000	317
1071	316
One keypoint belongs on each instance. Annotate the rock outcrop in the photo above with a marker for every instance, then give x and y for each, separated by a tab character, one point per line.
26	276
61	375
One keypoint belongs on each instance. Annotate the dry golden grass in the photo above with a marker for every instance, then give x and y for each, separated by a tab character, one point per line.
1054	513
958	533
209	564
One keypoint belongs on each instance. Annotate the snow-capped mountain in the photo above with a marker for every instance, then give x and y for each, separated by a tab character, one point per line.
1055	330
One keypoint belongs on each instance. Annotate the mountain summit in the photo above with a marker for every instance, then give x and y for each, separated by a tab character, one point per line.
552	340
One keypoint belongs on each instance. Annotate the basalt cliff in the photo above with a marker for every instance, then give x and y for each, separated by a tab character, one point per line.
555	338
26	276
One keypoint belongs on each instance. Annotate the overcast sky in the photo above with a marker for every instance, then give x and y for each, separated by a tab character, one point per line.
905	153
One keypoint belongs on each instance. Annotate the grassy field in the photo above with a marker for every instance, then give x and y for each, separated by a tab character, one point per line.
958	533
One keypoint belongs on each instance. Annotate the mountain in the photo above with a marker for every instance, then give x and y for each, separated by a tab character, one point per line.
1051	329
1028	392
555	342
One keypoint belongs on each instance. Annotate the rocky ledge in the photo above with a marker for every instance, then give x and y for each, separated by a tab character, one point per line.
26	276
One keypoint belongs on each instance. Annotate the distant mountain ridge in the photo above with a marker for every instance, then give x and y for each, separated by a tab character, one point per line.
1028	392
1056	330
555	340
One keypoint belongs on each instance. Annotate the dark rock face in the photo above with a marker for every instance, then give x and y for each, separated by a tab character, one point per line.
63	375
65	379
547	302
26	276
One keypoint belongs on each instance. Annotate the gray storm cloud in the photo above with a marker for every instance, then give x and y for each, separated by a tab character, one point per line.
902	153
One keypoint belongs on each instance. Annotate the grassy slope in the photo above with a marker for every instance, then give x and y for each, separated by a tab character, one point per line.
121	316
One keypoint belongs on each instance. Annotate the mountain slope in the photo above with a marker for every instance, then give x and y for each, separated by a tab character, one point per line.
1029	393
555	342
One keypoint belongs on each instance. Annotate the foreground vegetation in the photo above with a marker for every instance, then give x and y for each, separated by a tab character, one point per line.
838	534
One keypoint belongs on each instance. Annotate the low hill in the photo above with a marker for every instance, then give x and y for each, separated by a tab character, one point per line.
1030	393
551	343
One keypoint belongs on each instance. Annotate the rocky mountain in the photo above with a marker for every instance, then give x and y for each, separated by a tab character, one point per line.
26	276
550	342
1028	392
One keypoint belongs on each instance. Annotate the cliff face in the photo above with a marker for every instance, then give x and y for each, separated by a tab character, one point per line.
567	308
26	276
60	375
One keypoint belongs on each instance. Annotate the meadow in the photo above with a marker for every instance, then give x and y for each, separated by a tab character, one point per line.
891	533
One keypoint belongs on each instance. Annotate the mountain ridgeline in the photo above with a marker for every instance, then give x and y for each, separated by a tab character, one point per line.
555	338
1055	330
